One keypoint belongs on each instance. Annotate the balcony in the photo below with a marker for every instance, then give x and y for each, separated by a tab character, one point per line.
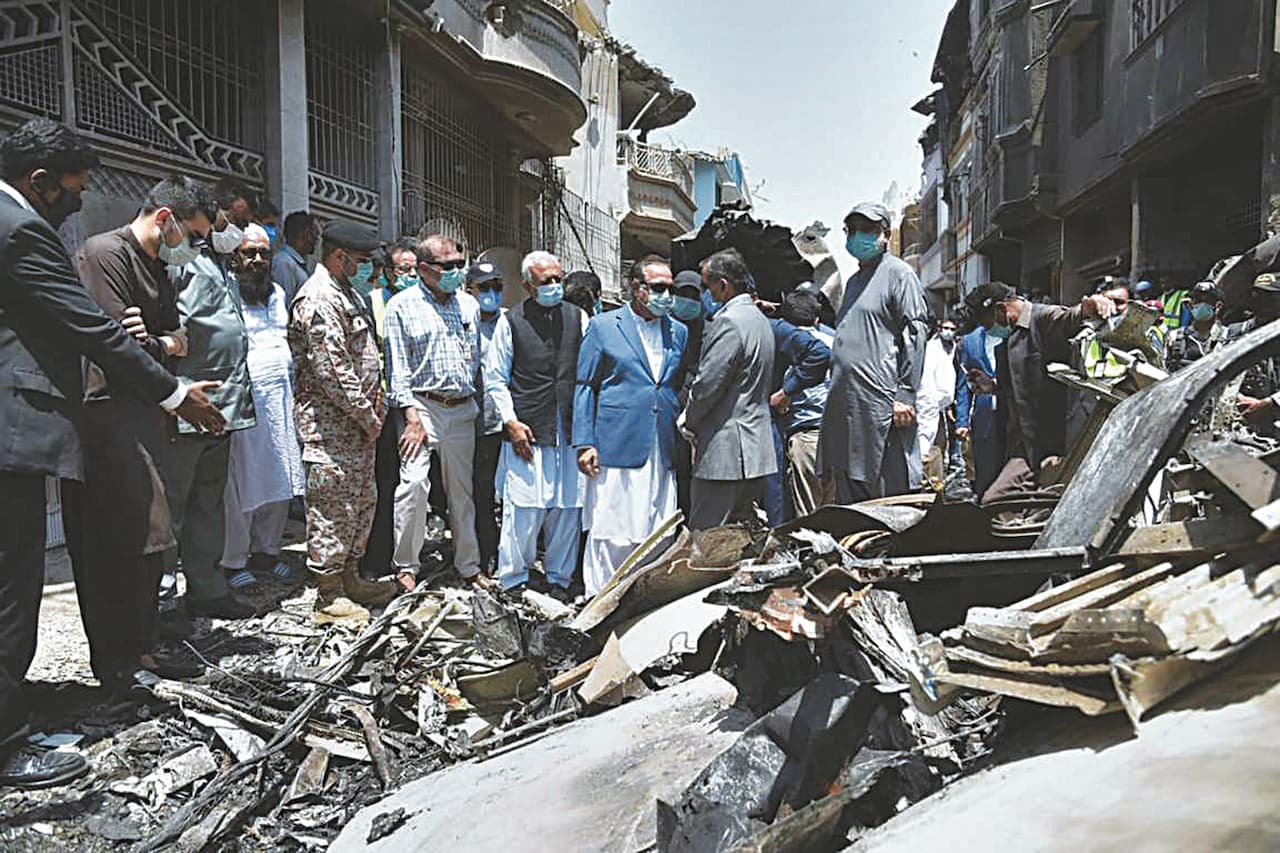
523	58
659	191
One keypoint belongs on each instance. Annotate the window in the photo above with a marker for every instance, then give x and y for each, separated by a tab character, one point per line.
1146	16
1090	65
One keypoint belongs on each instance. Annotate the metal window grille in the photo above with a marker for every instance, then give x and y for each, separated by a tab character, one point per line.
207	57
30	57
31	79
581	235
340	96
455	168
1146	16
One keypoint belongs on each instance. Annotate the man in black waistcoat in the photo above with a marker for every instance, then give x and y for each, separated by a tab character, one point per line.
530	371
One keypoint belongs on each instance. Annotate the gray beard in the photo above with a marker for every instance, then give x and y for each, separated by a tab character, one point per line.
255	287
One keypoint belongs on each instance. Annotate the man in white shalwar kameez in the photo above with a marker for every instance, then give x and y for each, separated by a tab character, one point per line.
530	370
937	386
625	408
266	469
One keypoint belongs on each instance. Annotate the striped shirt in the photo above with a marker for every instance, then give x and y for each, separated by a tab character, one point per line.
432	347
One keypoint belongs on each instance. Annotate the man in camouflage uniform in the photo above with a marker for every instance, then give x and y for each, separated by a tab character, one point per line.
1259	397
340	410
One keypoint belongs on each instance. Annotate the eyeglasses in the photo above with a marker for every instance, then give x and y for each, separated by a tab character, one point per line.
495	286
553	279
658	286
254	252
445	265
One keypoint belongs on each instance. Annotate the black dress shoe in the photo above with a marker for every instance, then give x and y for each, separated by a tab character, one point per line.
514	594
230	606
561	594
36	768
176	668
174	625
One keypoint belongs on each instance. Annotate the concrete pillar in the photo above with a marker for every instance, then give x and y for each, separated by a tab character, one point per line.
1137	246
287	150
388	135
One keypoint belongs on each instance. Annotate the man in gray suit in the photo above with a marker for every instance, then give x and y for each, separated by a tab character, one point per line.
728	409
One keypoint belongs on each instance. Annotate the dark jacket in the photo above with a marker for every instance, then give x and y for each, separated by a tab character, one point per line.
1032	409
47	323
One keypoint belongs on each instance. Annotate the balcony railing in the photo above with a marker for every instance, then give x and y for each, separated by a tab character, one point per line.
565	7
656	162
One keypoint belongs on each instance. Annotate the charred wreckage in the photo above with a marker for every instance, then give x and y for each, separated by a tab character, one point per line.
752	689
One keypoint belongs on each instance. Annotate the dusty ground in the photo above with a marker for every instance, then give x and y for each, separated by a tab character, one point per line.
62	653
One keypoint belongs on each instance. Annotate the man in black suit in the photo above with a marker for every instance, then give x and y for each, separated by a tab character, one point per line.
48	324
1031	409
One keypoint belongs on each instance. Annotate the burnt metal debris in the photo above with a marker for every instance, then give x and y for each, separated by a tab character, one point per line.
879	649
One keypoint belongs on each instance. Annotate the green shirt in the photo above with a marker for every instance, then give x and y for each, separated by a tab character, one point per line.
217	342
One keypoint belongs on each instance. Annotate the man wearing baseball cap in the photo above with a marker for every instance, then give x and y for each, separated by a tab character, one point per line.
868	440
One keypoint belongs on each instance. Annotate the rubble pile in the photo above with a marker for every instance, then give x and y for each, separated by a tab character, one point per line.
1114	638
732	689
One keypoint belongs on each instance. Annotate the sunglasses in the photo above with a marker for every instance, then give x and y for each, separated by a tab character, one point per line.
658	286
495	286
253	252
555	279
446	265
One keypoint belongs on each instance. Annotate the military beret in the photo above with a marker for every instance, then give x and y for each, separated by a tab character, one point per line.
350	235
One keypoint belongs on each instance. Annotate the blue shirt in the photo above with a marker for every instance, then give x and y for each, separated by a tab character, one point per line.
808	404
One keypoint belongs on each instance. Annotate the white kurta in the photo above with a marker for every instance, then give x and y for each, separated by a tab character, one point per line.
937	392
266	459
624	505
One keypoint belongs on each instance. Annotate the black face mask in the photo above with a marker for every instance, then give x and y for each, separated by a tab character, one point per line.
65	204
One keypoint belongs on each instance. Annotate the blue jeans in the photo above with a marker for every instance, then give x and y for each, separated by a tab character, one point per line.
775	494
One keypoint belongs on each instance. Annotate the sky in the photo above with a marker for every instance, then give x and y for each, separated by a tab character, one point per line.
815	95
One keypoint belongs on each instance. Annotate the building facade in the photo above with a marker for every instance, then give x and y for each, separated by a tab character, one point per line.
1086	138
397	114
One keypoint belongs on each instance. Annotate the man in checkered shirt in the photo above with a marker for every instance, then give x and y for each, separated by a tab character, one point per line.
433	348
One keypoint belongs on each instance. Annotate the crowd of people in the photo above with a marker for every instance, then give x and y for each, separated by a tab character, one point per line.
229	379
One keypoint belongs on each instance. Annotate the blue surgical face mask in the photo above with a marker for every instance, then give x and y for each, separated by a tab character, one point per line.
1000	332
181	254
451	280
599	307
490	301
1202	312
660	303
550	295
864	246
710	305
686	309
361	280
947	335
404	282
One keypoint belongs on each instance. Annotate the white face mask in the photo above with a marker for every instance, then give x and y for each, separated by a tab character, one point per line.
227	240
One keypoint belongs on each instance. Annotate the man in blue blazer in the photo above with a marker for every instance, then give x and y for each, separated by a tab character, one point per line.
624	420
976	406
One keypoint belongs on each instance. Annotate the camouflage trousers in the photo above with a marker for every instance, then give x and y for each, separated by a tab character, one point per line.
341	498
